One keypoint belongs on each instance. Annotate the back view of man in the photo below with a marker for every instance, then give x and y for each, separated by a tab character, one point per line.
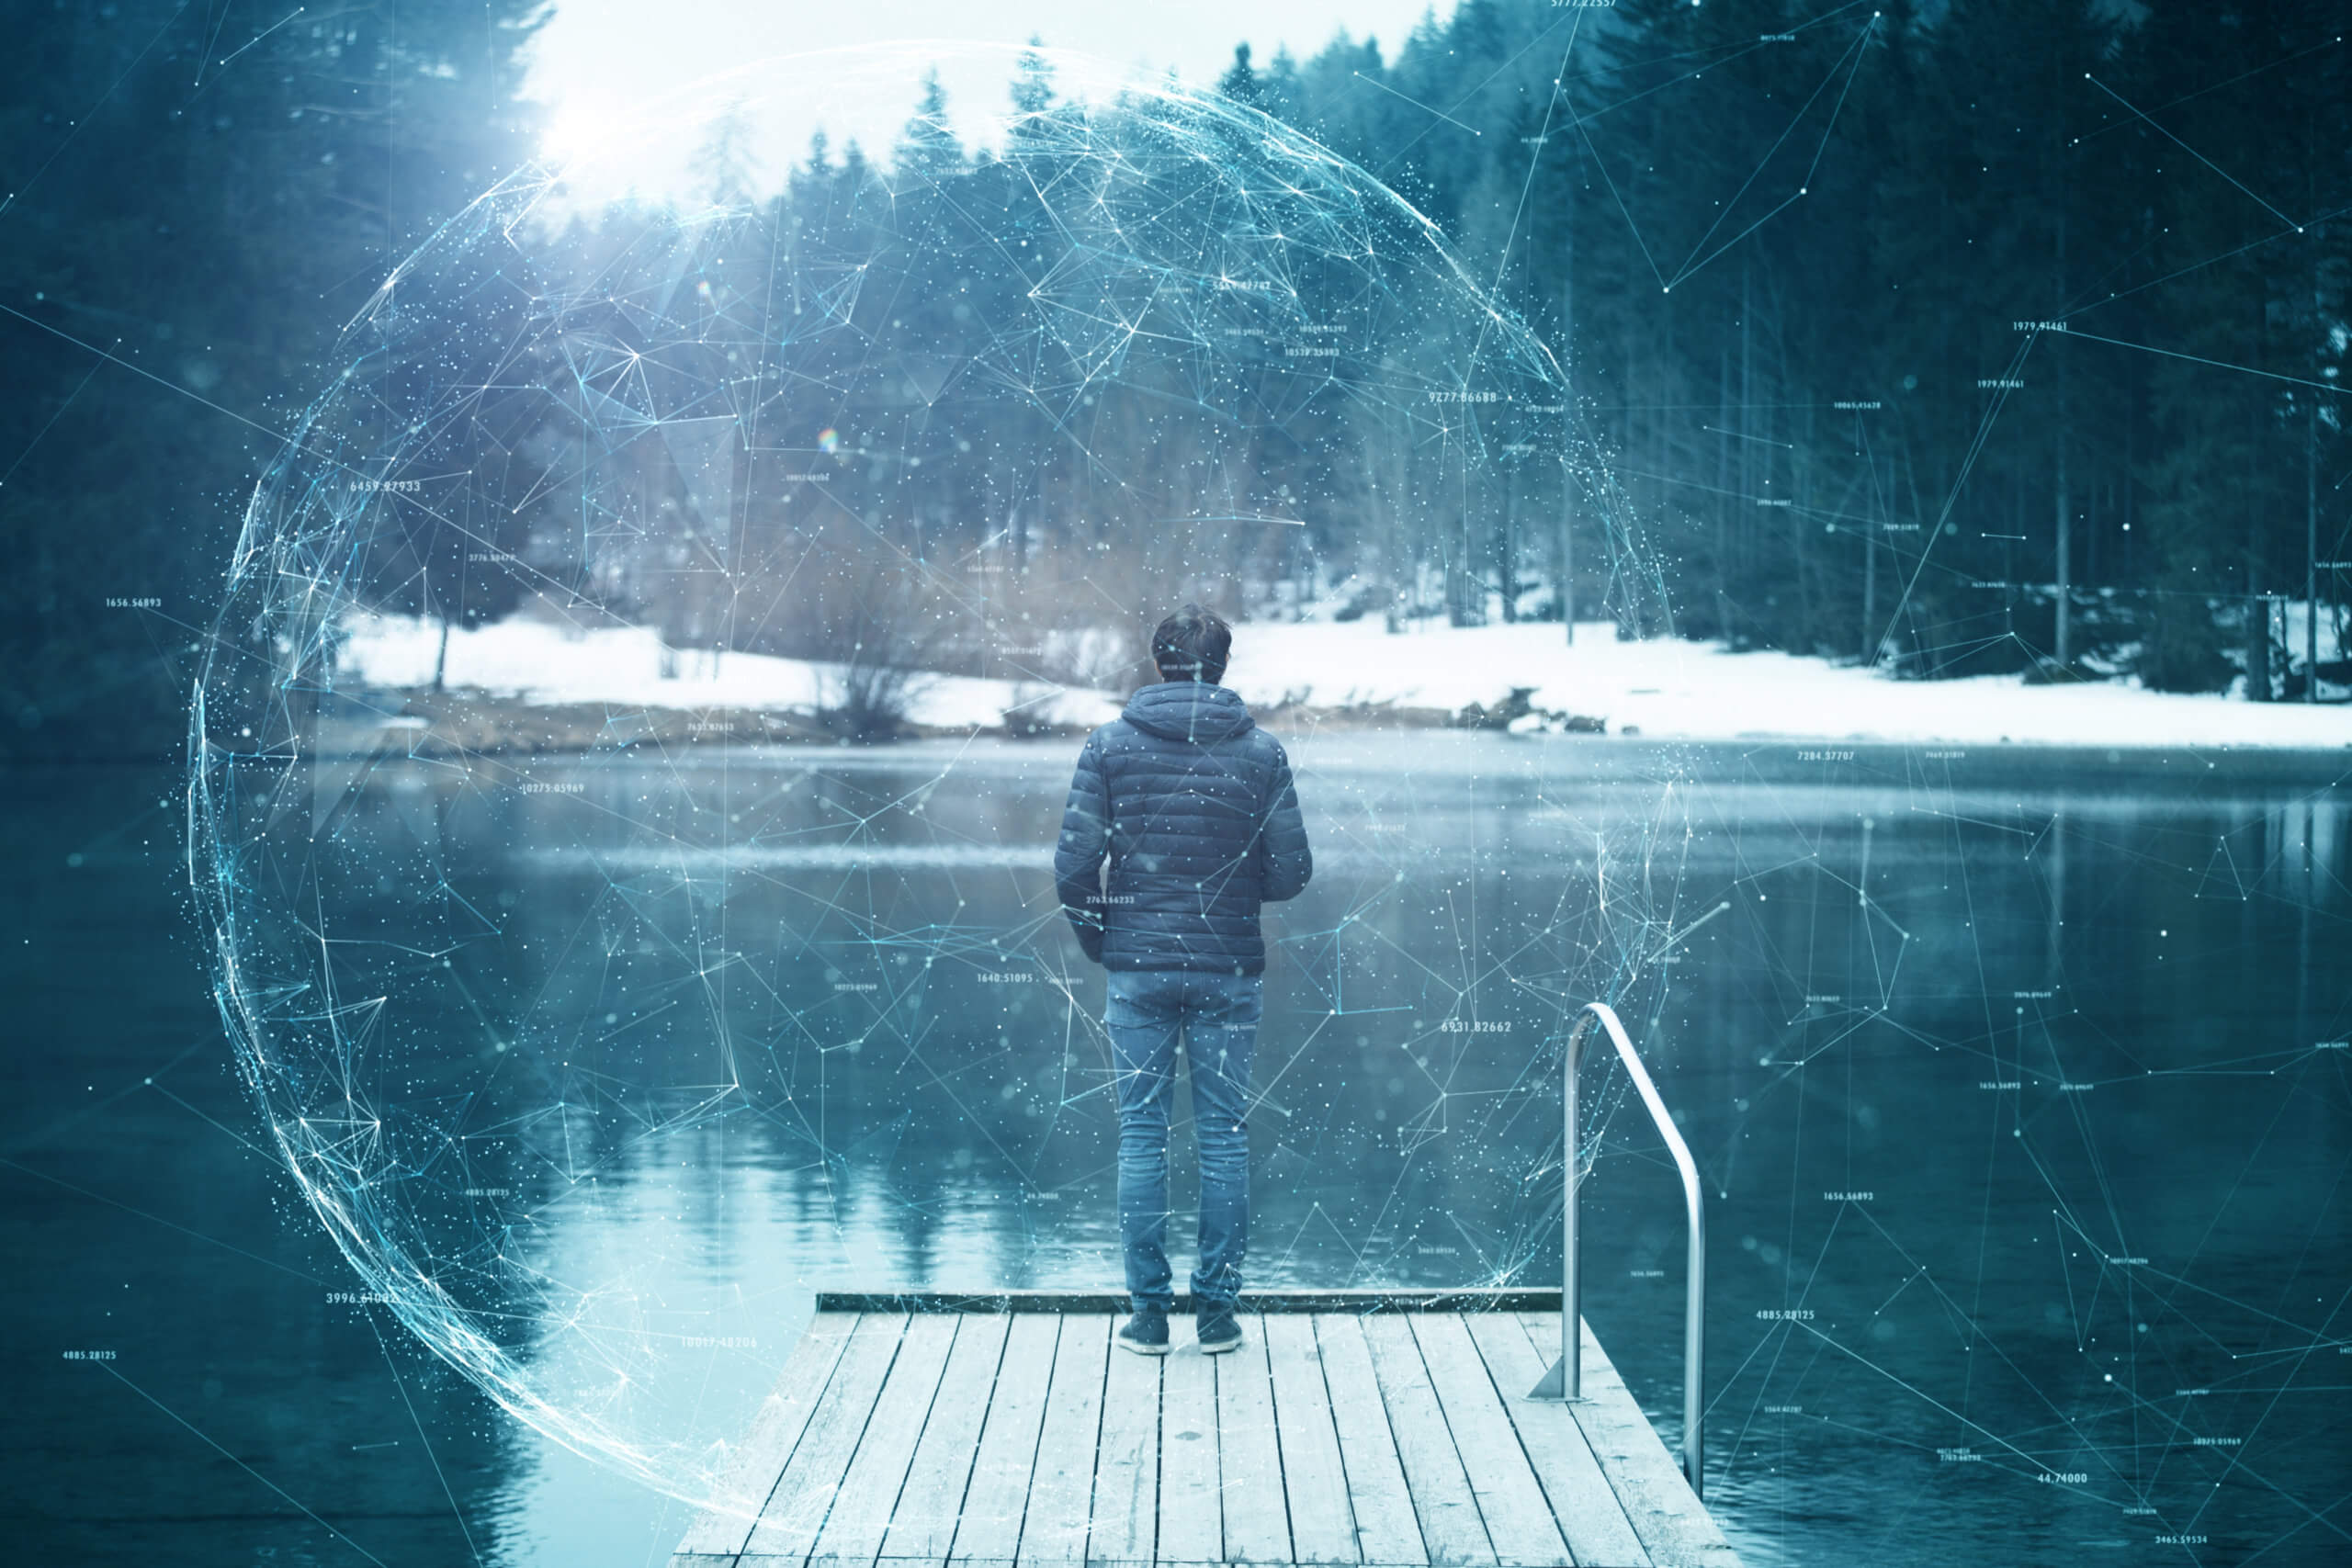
1192	806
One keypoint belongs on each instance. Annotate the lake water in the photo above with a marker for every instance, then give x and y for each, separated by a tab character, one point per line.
2016	1078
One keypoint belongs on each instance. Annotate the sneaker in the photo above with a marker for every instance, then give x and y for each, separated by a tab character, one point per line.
1146	1333
1216	1329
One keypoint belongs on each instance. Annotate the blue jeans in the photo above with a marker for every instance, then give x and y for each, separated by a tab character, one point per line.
1144	1011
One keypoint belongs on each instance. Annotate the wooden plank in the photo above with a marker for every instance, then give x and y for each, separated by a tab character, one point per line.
1192	1513
922	1526
990	1527
1519	1520
1450	1524
1127	1462
869	1493
1061	1485
804	1493
1588	1512
1671	1520
1322	1526
1386	1528
1005	1438
1249	1461
722	1529
1465	1299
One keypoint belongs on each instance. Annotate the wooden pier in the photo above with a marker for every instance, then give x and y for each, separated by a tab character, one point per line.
1382	1428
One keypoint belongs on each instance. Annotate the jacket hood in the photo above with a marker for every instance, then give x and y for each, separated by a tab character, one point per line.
1188	710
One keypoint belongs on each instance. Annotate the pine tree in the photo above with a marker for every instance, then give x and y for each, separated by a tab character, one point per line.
1239	83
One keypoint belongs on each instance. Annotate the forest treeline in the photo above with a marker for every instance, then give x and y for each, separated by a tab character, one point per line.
1911	325
1954	337
193	202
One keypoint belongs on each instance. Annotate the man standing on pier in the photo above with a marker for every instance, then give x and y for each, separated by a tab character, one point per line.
1192	806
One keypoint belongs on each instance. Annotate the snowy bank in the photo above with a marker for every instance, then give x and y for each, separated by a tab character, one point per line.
542	664
1698	690
1666	690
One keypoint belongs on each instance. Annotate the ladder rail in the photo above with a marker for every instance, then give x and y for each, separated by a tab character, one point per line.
1564	1382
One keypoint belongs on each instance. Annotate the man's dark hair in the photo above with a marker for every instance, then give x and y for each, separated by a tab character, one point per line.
1191	645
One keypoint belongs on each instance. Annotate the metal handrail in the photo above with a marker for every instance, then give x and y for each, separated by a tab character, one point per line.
1565	1381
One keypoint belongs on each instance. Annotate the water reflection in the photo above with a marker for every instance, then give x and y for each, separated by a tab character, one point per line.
2014	1088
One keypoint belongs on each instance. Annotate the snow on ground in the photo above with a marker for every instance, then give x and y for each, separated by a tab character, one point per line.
1698	690
537	663
1665	689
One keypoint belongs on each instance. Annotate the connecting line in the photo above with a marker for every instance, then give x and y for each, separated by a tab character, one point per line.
1924	1396
1631	227
1975	1330
269	1155
1677	480
2175	354
276	436
1671	941
2317	219
260	35
1853	50
1765	440
170	1224
1784	204
2225	82
2195	153
1480	87
10	200
1959	481
1416	103
45	428
438	1473
1239	517
1738	51
1838	107
1543	136
109	1369
279	436
206	53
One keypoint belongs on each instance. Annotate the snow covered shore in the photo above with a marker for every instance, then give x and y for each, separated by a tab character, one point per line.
1662	690
1698	690
542	664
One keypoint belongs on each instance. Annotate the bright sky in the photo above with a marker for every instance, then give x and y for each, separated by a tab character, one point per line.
597	57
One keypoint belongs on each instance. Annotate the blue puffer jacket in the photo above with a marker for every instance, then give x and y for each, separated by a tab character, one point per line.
1192	805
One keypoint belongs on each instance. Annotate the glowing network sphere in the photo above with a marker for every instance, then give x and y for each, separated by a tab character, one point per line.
703	379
